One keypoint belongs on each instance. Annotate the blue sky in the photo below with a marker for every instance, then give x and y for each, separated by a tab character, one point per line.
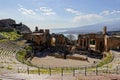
60	13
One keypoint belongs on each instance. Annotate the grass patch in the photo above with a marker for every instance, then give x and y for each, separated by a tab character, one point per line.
2	67
21	55
14	63
3	40
9	68
47	71
42	71
106	60
13	35
28	48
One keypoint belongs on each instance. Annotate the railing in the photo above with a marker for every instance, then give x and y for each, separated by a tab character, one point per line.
69	70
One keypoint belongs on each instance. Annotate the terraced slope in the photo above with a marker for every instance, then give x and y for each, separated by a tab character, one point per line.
116	60
8	50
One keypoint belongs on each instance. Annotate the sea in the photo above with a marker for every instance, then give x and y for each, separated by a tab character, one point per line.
59	31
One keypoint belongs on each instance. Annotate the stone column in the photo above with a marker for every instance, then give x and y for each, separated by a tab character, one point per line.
106	42
82	43
87	43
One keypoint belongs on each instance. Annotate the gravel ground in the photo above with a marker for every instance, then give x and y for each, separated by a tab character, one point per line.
57	62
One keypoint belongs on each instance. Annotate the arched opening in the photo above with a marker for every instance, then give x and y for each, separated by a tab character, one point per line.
53	41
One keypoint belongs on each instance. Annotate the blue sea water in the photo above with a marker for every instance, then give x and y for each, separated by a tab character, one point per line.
57	31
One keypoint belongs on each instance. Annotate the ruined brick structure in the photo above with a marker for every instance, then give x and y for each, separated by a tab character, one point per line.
27	36
112	42
59	39
98	42
40	37
43	39
91	41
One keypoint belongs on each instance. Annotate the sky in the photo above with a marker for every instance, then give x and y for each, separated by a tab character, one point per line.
59	13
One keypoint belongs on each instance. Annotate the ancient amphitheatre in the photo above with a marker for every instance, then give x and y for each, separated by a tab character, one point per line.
21	60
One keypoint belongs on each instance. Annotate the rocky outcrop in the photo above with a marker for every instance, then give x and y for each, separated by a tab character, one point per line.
10	25
23	29
7	22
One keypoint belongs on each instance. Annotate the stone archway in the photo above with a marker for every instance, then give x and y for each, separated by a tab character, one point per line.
53	41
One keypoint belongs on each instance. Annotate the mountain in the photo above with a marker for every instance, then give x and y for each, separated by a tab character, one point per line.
111	26
10	24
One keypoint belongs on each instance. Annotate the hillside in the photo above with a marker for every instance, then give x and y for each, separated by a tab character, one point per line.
111	26
10	35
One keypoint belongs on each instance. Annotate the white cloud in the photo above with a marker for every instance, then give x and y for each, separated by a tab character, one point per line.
87	19
107	12
73	11
26	11
115	12
47	11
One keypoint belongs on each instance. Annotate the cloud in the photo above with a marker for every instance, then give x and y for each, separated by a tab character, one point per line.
87	19
107	12
73	11
47	11
115	12
26	11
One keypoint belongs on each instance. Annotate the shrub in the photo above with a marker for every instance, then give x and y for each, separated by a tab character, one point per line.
28	48
21	55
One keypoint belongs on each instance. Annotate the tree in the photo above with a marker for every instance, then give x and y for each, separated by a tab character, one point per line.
71	37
